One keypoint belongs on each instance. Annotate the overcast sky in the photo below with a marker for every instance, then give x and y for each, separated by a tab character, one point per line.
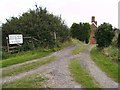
70	10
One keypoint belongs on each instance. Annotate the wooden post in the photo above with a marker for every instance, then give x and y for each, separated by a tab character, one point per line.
7	44
55	38
54	35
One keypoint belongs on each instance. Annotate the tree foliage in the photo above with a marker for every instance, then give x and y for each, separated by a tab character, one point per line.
38	24
80	31
75	30
104	35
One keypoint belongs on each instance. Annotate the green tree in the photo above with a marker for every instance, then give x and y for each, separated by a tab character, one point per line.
81	31
87	32
38	24
75	31
84	32
104	35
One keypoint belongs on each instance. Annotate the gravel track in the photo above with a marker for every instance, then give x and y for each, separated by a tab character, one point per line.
88	64
58	73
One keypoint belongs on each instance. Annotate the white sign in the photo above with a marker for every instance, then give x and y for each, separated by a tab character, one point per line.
15	39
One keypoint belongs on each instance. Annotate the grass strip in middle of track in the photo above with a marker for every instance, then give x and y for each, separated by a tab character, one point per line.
31	81
79	49
80	75
27	67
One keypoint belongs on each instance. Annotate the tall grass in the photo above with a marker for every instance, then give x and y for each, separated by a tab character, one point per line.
111	52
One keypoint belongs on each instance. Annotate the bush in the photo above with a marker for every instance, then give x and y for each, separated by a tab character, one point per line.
104	35
38	24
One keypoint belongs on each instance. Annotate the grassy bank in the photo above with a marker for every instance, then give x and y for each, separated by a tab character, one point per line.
111	52
31	81
80	75
27	67
25	56
106	64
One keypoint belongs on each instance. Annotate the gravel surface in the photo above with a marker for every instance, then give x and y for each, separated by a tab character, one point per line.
58	74
94	71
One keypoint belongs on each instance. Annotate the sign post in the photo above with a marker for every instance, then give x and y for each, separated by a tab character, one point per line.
14	39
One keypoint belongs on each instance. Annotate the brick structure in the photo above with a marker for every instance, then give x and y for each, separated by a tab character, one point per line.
93	29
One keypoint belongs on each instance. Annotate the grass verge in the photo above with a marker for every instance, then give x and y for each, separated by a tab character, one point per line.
106	64
27	67
32	81
26	56
80	75
79	49
111	52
